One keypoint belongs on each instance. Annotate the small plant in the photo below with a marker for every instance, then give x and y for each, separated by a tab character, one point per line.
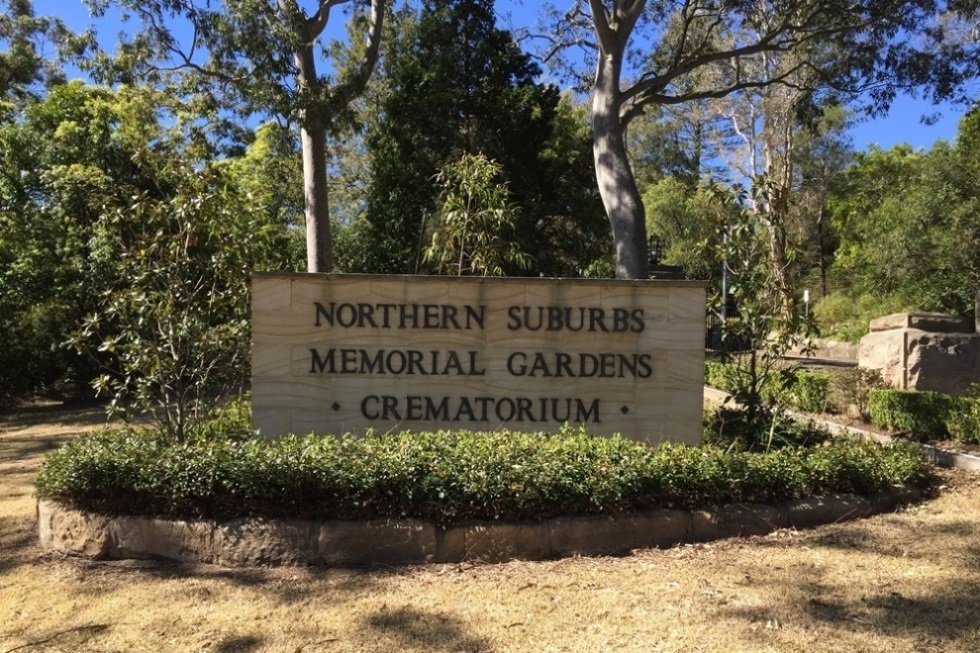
800	389
757	259
920	414
475	221
731	430
808	391
850	388
963	422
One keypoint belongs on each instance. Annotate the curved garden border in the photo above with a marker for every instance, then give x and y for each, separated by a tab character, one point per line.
249	542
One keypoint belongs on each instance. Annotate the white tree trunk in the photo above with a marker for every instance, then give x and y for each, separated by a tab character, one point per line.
316	206
617	186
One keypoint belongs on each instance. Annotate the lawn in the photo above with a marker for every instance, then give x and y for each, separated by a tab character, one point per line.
901	582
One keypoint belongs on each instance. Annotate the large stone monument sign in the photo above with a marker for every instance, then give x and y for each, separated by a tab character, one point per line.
340	353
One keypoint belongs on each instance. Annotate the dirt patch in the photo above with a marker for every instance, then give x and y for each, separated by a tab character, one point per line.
903	582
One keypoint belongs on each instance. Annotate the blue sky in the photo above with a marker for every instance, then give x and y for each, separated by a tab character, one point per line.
903	124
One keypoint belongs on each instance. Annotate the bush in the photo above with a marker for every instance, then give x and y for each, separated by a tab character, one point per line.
447	476
852	387
844	317
801	389
732	430
920	414
963	422
809	391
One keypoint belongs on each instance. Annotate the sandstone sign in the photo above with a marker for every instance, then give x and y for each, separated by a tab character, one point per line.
336	353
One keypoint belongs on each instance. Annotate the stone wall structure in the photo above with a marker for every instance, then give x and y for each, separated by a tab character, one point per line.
251	542
923	351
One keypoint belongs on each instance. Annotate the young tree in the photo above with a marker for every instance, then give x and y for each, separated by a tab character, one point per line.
475	221
259	56
453	84
768	324
643	50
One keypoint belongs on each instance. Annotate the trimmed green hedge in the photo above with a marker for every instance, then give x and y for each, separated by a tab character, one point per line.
801	389
448	476
926	416
920	414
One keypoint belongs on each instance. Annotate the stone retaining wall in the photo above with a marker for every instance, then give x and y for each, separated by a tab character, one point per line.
249	542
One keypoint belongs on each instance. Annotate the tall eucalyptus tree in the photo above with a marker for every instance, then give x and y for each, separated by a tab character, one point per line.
645	51
258	56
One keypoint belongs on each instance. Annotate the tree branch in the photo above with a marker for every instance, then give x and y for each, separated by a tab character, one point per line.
316	23
603	28
355	86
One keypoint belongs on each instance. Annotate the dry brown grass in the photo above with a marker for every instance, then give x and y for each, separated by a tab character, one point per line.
895	583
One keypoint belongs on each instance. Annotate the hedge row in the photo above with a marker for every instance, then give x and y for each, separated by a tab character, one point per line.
800	389
826	391
925	415
448	476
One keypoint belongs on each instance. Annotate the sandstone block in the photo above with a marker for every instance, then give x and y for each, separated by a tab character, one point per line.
806	513
450	544
501	542
934	322
71	531
918	360
735	519
890	500
260	542
354	544
618	534
145	537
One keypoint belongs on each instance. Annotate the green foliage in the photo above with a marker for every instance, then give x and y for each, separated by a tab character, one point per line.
810	391
453	84
851	387
448	476
731	429
908	234
963	422
25	42
475	221
920	414
795	388
842	316
768	319
175	328
681	216
63	162
116	220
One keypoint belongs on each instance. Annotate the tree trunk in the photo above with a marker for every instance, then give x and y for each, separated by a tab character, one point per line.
313	137
316	207
617	186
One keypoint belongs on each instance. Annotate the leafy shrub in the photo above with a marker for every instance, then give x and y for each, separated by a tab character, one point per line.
844	317
731	429
231	419
851	387
801	389
963	422
809	391
920	414
447	476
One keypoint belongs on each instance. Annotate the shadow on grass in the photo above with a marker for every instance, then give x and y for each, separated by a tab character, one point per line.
947	614
286	585
934	607
18	539
21	449
87	413
239	645
64	638
410	628
862	537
